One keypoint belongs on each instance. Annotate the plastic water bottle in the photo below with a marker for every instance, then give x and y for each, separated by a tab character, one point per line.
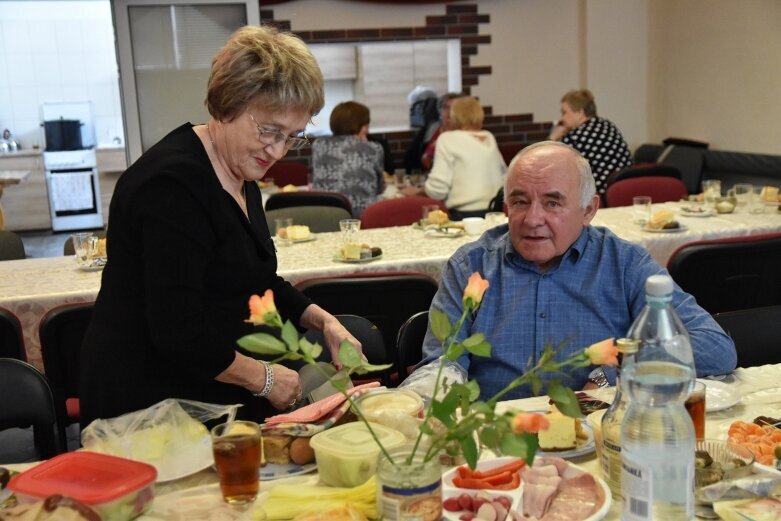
657	435
610	453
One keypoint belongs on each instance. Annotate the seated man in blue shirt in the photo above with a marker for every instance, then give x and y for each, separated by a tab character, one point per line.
555	278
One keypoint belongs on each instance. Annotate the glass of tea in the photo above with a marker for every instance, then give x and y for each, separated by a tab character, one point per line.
236	447
695	405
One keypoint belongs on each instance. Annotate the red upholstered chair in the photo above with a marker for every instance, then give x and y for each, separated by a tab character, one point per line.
289	173
731	273
644	170
401	211
509	151
661	189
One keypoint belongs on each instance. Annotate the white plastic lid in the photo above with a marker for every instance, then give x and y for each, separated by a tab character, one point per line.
659	285
353	440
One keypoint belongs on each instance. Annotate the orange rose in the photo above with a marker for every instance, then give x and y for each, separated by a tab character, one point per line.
261	308
529	422
604	352
474	290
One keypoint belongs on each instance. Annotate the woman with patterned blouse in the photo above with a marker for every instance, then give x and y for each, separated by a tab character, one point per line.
347	162
598	139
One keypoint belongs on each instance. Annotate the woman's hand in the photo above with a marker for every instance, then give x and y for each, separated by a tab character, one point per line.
557	132
335	333
286	390
410	191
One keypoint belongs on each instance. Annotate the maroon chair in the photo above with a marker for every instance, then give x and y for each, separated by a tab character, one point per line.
731	273
509	151
661	189
644	170
289	173
401	211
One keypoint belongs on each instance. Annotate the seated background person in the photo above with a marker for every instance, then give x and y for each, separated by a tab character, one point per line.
468	167
598	139
444	105
347	162
554	278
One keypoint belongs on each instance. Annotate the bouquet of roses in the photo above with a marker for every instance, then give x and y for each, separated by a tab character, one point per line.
454	414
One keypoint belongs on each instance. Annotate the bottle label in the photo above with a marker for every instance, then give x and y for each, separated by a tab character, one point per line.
411	504
637	486
611	465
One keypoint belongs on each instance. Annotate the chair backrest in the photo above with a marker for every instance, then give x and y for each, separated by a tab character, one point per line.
28	400
497	204
509	151
402	211
731	273
754	332
62	331
11	246
288	173
308	198
409	343
372	344
318	218
643	170
661	189
11	338
387	299
67	248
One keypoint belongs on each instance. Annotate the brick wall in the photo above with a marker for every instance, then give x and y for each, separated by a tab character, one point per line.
512	131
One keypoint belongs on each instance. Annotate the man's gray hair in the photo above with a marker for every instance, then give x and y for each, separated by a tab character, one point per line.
587	185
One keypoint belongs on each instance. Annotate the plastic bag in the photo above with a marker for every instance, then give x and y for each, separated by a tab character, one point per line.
169	435
422	380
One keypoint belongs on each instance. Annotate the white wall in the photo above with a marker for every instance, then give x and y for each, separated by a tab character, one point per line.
57	51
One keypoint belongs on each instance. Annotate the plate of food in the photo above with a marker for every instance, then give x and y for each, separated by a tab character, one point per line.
672	227
532	497
566	437
696	211
355	253
451	231
271	471
96	264
310	238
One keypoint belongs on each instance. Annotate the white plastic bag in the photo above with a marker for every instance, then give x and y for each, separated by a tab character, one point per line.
169	435
422	380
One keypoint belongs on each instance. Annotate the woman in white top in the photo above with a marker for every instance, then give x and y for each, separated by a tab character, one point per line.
468	167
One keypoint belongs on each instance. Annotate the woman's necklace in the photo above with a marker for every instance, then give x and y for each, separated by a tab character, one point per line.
241	195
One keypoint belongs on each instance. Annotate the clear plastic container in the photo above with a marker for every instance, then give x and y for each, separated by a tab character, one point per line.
374	404
117	489
347	455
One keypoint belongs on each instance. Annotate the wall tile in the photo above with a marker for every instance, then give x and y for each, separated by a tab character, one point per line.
20	73
24	104
16	38
68	33
72	68
45	36
46	67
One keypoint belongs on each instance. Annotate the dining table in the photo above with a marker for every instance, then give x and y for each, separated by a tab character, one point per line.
742	395
31	287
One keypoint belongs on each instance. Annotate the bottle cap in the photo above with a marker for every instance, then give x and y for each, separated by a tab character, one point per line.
627	346
659	285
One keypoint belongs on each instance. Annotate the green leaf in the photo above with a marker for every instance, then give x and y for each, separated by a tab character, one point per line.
290	336
348	355
520	445
473	390
536	385
443	412
262	343
440	325
368	368
426	428
565	399
469	450
454	350
489	437
482	408
477	345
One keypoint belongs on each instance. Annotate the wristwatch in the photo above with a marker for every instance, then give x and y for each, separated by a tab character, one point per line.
598	377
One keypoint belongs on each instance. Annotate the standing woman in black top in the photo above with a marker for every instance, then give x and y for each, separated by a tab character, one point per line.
188	244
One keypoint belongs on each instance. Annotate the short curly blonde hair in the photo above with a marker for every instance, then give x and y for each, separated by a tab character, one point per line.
260	64
466	112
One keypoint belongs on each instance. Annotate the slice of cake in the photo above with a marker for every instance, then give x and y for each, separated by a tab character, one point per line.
298	232
562	433
352	250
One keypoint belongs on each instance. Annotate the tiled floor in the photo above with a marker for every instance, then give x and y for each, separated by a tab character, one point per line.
43	244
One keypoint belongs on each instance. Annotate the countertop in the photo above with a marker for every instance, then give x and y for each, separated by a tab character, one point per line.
30	152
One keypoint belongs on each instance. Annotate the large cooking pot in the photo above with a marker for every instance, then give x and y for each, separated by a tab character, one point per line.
63	134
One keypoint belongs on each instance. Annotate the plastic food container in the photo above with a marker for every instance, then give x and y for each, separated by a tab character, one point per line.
375	403
347	455
118	489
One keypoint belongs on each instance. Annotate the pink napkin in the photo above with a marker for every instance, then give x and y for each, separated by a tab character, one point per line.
318	410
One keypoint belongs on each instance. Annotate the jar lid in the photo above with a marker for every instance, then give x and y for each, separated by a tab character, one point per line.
353	440
89	477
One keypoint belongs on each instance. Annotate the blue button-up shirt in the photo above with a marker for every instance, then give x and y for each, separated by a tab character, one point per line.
595	292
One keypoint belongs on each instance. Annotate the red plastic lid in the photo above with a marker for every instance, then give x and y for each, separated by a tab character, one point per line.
89	477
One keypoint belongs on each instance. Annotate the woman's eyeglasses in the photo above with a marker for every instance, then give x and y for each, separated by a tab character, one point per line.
269	136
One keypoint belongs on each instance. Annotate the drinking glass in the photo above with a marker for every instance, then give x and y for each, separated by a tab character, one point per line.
282	224
695	406
350	228
756	205
85	244
744	193
711	190
236	447
641	209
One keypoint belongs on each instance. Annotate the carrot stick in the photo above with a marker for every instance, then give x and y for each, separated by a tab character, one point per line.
513	466
499	479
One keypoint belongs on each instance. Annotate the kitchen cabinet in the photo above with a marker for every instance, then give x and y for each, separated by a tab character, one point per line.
111	163
26	204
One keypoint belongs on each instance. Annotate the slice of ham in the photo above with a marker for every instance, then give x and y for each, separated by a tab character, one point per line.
554	490
318	410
